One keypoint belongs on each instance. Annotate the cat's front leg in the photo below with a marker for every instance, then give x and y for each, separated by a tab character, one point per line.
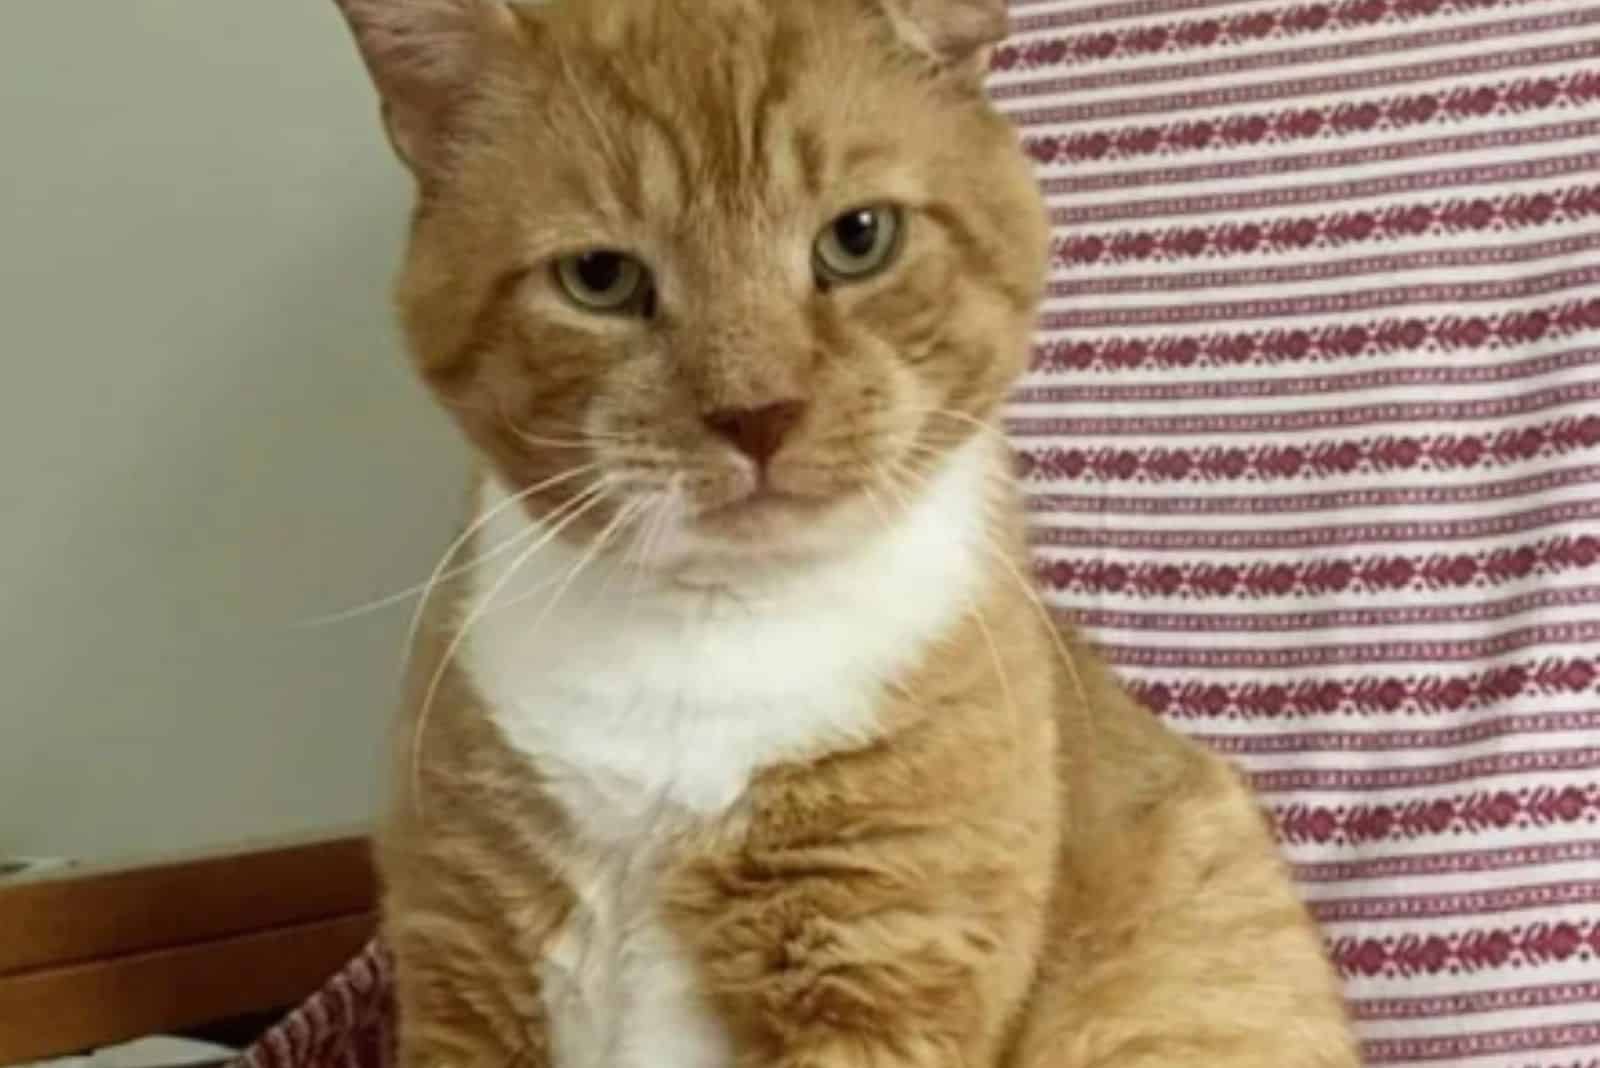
825	958
803	990
1179	941
453	1014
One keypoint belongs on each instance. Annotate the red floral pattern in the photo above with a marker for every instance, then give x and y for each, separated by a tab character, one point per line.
1445	694
1387	454
1400	336
1263	129
1216	31
1469	951
1343	229
1352	575
1310	448
1364	824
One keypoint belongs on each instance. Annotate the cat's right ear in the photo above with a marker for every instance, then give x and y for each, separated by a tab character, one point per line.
424	57
955	34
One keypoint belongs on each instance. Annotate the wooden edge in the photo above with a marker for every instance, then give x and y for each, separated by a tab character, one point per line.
59	1011
57	921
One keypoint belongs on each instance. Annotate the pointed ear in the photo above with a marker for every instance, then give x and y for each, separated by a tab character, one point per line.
424	56
957	33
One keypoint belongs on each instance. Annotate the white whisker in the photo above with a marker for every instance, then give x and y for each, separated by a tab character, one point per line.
970	420
440	574
887	524
641	509
574	509
670	505
998	553
596	547
637	558
580	437
972	608
478	524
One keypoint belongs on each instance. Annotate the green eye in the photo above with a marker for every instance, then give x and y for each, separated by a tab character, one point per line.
858	244
604	281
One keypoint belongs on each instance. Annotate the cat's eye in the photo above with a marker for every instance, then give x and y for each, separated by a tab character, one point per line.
605	281
858	244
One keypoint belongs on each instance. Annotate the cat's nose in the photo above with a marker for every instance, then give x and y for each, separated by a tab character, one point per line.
757	432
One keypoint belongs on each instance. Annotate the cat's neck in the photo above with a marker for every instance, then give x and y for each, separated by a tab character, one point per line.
682	696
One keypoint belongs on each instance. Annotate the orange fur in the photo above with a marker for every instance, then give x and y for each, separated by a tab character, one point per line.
1020	867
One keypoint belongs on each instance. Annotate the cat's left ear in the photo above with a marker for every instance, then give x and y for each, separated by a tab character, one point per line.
954	33
425	56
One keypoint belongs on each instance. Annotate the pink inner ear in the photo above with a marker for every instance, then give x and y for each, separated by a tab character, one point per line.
420	43
422	54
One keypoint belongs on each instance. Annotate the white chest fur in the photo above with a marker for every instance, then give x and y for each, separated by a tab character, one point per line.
645	710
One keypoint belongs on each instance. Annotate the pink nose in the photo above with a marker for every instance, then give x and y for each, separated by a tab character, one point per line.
757	432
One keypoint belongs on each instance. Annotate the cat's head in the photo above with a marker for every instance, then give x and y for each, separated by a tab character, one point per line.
744	269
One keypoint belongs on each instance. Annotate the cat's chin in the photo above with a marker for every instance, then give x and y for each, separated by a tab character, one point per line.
762	536
763	517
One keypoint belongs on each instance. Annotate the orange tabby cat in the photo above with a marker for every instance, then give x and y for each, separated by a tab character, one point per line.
739	738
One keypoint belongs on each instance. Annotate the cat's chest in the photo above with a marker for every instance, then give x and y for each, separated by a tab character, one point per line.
622	739
642	716
618	989
637	737
626	710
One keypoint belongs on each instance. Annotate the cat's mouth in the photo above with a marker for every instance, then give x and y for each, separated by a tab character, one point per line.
761	514
731	542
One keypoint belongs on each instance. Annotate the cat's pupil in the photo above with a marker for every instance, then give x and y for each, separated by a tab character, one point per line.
600	271
857	232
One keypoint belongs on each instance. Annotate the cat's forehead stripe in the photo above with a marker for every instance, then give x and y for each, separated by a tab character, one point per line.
753	130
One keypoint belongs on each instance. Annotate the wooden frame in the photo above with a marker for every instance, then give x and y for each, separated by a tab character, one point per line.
94	958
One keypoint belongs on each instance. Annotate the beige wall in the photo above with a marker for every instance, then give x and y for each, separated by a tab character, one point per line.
206	431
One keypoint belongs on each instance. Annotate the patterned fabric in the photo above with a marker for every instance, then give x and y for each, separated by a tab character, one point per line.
1313	450
348	1023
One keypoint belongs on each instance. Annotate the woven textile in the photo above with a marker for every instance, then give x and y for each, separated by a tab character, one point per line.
1312	444
349	1023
